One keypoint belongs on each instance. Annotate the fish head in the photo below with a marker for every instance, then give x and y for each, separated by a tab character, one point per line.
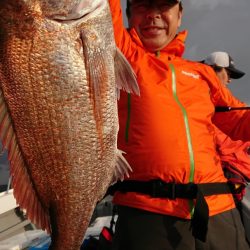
54	9
69	9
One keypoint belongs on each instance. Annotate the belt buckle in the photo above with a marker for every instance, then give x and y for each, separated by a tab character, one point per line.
161	189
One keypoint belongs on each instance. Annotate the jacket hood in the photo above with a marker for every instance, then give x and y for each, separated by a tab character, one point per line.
176	47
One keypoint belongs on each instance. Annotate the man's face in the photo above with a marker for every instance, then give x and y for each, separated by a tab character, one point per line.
156	22
223	75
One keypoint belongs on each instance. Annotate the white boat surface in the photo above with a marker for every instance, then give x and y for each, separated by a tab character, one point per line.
12	220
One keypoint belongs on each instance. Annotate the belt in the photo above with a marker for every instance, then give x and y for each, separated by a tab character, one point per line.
161	189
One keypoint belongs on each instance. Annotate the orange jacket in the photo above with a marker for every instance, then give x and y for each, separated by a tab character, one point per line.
167	132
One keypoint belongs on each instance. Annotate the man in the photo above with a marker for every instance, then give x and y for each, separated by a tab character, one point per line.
234	154
224	66
168	136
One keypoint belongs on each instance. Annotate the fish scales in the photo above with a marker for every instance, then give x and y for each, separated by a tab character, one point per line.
58	85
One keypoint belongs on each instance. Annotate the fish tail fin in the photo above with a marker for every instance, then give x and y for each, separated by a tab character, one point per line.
122	167
125	76
24	191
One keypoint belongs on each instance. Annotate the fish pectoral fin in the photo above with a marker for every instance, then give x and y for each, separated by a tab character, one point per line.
122	167
24	192
96	70
125	76
96	67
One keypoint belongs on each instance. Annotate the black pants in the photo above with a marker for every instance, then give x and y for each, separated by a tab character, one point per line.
141	230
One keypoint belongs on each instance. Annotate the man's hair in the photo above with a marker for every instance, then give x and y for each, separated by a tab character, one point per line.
128	13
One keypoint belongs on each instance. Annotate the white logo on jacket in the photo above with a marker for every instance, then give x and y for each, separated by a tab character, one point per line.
190	74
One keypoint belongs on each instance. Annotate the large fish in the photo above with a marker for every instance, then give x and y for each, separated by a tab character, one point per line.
59	71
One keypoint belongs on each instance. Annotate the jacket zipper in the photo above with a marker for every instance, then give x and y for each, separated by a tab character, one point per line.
189	140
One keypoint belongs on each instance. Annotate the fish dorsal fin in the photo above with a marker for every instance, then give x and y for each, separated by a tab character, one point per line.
24	191
125	76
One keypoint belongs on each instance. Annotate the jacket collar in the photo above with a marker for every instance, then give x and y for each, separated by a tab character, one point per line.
176	47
